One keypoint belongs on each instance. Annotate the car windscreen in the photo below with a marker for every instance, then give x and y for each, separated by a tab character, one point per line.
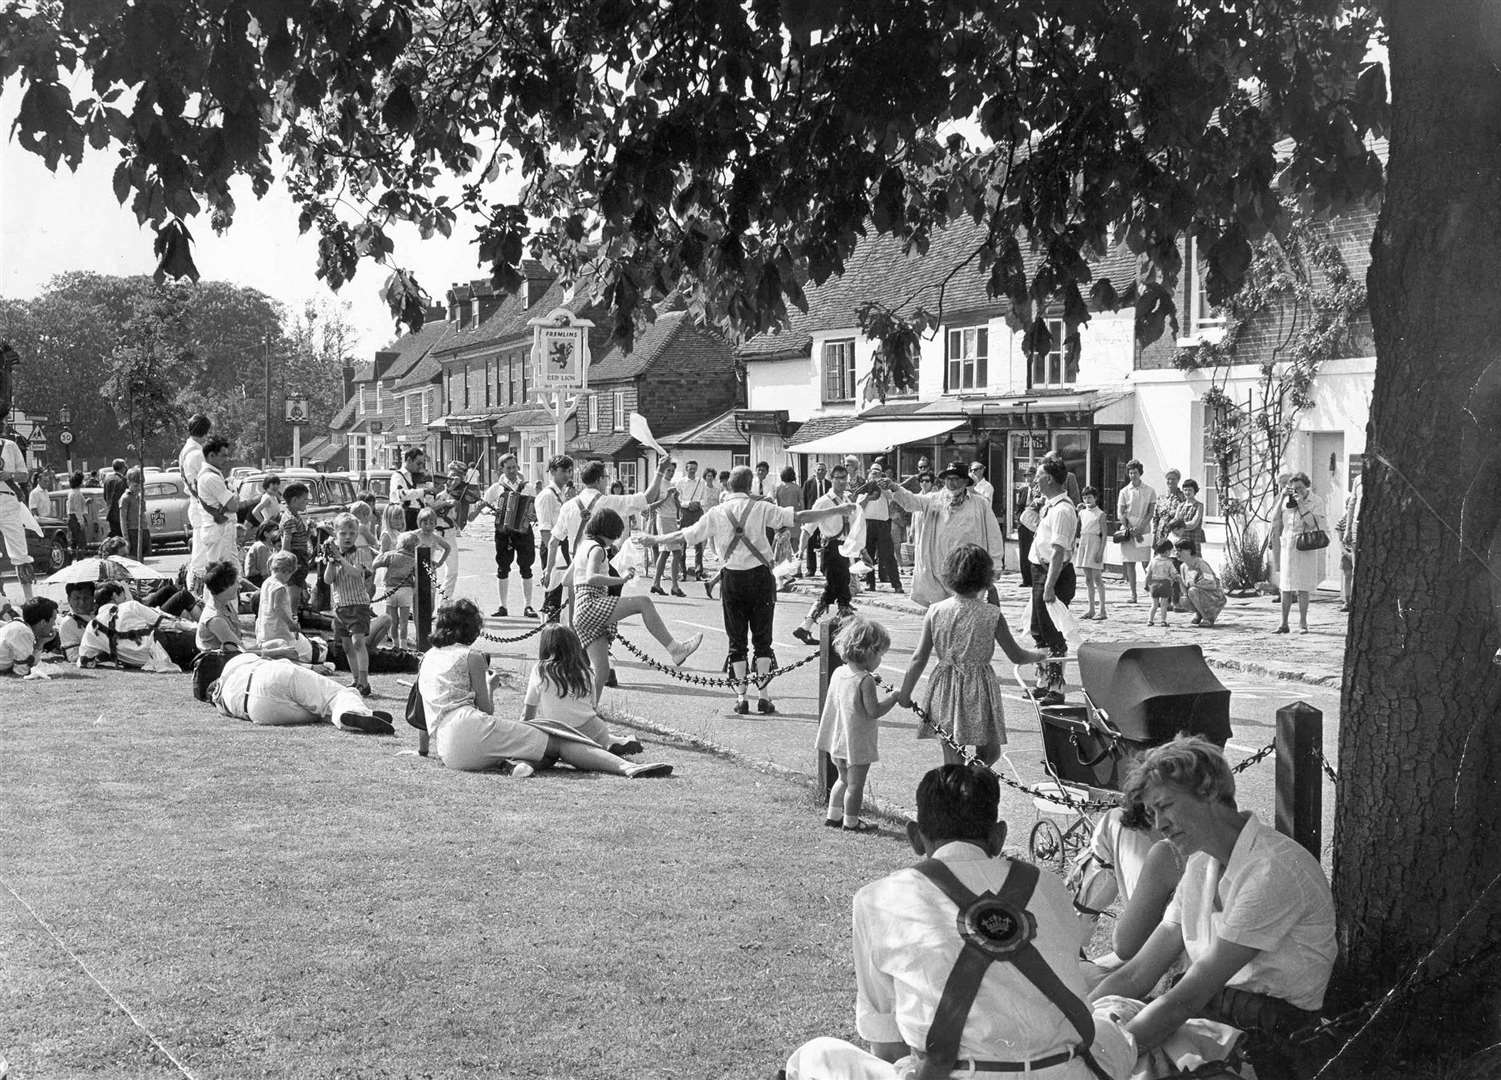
340	492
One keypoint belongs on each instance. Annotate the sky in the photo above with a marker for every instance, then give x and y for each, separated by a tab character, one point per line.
53	223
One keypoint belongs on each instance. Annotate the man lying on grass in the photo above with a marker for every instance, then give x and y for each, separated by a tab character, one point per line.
281	692
996	989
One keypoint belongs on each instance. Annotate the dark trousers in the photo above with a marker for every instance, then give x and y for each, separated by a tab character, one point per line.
112	518
1023	546
881	555
553	600
75	537
1044	632
836	576
750	601
520	546
140	544
813	542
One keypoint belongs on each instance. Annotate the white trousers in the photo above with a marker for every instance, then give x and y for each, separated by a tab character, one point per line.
283	693
13	531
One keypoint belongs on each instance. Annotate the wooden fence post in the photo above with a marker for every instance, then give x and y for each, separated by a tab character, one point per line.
1300	782
422	604
828	660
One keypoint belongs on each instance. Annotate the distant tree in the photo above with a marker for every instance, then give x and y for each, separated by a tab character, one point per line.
146	371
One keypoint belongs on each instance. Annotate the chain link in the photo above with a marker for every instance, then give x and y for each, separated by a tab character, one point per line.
498	640
1255	758
1328	769
713	681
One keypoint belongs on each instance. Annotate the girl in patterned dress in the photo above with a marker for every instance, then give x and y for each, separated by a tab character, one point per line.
598	605
964	698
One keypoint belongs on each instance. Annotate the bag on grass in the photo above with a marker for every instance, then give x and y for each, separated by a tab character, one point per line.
206	671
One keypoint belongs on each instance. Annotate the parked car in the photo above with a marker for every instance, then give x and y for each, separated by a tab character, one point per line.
378	484
328	495
167	502
49	552
96	528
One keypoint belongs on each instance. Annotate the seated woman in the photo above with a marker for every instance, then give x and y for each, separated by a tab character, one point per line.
455	686
133	636
1129	863
1253	911
561	688
598	607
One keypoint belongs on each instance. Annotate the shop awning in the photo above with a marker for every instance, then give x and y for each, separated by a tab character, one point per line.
873	436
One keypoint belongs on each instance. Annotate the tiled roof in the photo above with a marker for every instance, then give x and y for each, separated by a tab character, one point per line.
508	322
650	344
345	414
878	270
820	426
424	371
717	432
526	417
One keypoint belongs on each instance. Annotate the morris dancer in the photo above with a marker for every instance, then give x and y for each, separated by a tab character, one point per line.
738	526
836	565
943	521
15	517
280	692
568	530
517	543
219	506
190	462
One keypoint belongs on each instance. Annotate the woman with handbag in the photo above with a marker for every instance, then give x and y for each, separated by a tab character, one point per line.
1135	508
1300	533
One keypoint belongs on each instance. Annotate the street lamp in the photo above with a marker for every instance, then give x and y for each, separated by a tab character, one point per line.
64	416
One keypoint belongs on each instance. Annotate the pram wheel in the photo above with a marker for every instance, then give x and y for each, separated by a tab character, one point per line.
1046	843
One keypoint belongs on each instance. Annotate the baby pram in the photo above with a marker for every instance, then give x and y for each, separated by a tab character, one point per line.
1133	697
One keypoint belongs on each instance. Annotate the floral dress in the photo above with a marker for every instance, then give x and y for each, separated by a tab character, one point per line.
963	696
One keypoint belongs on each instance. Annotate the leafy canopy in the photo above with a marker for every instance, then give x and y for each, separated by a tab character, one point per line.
730	149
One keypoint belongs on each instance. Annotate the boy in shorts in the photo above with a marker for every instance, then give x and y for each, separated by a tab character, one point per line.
296	538
349	574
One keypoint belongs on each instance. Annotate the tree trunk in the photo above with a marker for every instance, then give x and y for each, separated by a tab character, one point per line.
1418	828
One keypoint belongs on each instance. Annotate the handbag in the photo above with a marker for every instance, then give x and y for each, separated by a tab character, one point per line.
1121	535
1311	540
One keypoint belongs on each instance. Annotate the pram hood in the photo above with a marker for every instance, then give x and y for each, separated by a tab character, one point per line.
1152	692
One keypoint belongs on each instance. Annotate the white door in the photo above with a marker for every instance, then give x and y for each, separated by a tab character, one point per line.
1326	470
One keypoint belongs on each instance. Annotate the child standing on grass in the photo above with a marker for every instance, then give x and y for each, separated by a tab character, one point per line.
296	538
133	517
398	570
964	698
365	515
349	574
1091	556
1161	574
80	507
429	537
848	728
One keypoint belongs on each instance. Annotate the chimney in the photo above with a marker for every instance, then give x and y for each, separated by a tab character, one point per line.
536	281
435	313
485	300
347	371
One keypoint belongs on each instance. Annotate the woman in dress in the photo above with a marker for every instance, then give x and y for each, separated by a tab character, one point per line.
1192	515
456	687
598	605
1298	572
1135	508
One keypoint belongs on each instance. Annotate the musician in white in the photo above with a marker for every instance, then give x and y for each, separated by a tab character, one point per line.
190	462
513	507
550	499
409	484
15	518
220	505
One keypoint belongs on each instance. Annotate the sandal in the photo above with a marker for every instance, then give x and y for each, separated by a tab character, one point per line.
1282	630
861	827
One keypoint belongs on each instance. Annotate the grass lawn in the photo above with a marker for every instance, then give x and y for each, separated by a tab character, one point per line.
312	903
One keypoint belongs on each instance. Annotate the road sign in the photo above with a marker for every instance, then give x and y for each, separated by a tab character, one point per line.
560	351
65	437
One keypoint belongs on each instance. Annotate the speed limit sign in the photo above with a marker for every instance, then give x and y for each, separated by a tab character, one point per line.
65	437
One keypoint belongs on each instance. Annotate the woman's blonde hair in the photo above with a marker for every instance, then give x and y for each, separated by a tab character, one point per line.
861	640
1190	763
393	518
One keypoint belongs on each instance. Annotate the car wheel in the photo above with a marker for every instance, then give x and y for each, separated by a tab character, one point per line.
58	554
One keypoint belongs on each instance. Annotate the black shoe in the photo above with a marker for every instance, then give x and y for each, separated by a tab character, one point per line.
709	589
678	592
803	636
764	705
656	590
742	706
627	748
610	679
530	612
1038	692
500	613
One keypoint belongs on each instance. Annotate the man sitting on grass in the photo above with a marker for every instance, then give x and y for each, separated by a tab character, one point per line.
19	637
135	637
1001	995
72	623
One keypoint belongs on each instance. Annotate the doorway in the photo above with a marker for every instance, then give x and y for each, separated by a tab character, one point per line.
1326	472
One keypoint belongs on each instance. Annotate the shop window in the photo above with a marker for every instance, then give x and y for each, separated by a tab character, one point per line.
1053	368
839	370
1209	492
968	359
739	459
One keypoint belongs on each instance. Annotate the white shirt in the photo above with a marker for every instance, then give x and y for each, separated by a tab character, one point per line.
495	491
190	461
1271	896
983	489
133	615
878	509
763	486
550	501
17	645
1059	528
691	491
906	943
211	488
472	476
829	527
576	712
759	516
70	631
571	516
405	492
